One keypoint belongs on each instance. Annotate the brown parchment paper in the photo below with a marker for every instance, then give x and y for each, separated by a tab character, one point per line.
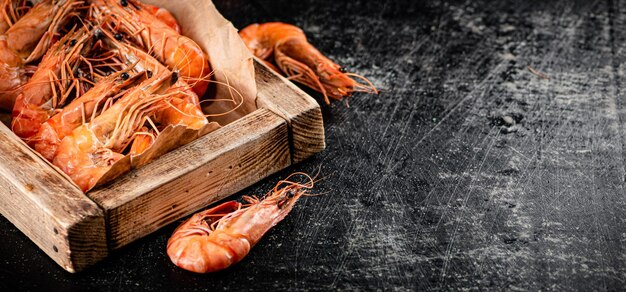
232	63
228	55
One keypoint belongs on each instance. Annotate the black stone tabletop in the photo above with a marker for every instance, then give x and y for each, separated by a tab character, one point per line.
493	158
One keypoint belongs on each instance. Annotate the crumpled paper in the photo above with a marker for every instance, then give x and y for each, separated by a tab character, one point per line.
232	63
229	57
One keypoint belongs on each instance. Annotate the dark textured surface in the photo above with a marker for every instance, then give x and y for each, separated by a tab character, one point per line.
467	171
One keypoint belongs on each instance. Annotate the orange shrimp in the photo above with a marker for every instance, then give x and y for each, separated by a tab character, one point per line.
217	238
184	108
12	75
13	78
181	112
176	110
90	151
81	110
7	55
33	34
6	6
143	140
27	37
178	52
48	87
288	47
10	12
163	15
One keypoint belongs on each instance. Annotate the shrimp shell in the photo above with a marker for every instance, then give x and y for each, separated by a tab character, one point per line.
46	90
286	46
93	148
217	238
177	51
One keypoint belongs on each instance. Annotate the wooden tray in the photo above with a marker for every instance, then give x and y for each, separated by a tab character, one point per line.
77	230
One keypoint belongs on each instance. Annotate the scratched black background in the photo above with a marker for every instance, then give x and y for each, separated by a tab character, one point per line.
467	171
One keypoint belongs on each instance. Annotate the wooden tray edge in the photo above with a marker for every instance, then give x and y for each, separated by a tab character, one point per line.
301	111
60	219
159	195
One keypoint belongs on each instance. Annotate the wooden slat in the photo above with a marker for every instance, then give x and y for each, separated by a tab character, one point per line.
301	111
191	177
52	212
76	232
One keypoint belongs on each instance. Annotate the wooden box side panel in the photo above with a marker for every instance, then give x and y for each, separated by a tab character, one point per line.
190	178
300	110
52	212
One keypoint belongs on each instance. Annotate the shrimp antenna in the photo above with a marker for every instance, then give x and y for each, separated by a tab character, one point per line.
368	87
6	4
290	183
232	90
300	72
316	180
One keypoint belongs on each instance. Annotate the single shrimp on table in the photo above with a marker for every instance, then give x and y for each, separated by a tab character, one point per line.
217	238
287	47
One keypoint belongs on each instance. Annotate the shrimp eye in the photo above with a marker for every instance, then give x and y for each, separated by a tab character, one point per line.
342	70
118	36
72	43
149	73
124	3
125	76
174	77
98	34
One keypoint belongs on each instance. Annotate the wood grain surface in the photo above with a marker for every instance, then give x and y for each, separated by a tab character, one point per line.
468	171
302	113
267	133
51	211
184	181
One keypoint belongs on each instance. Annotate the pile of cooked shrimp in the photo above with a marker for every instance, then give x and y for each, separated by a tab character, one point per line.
89	82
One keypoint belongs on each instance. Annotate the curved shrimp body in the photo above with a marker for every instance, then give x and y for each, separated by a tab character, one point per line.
82	157
178	52
215	239
183	108
33	34
47	88
12	75
78	112
7	55
91	149
287	46
11	79
163	15
182	111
